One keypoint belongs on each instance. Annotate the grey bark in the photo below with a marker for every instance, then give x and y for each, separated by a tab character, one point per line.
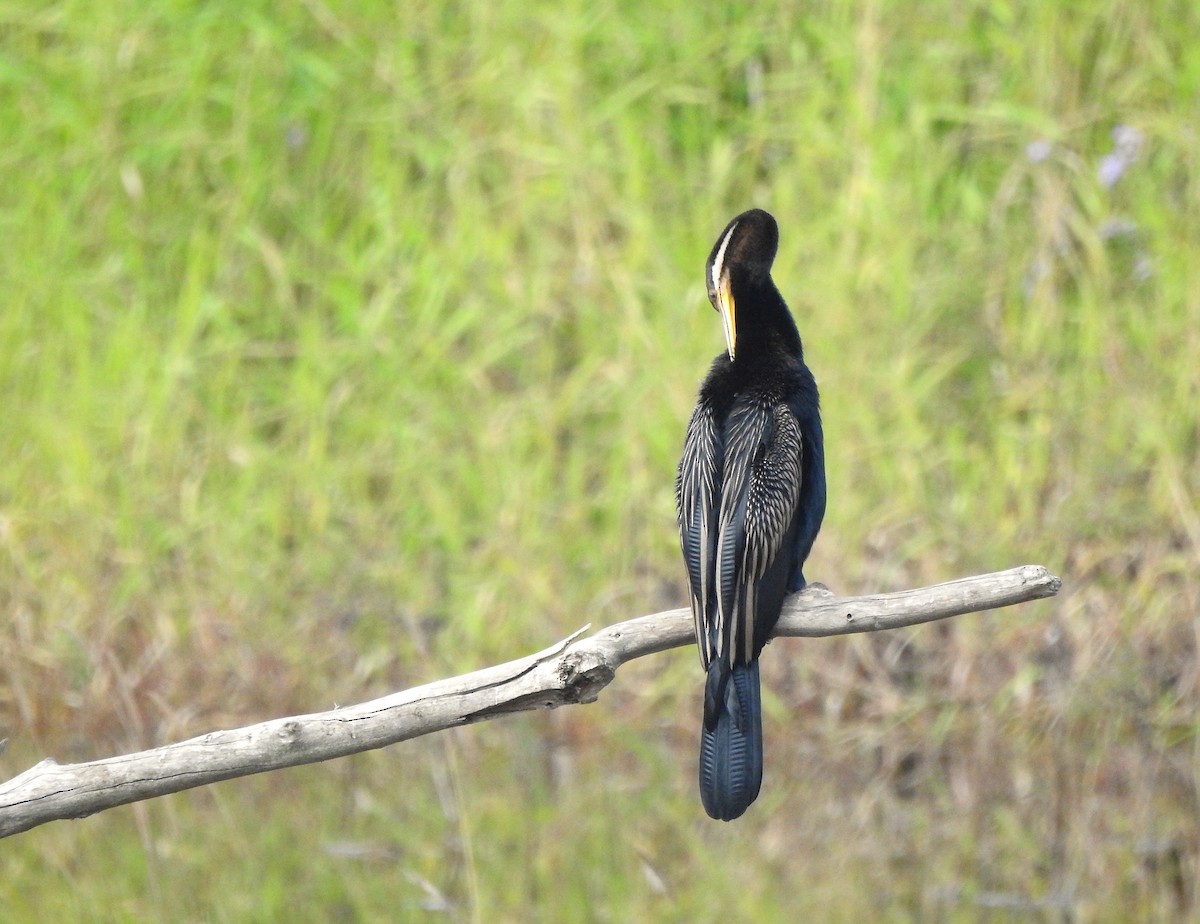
573	670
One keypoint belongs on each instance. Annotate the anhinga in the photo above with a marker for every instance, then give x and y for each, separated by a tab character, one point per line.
751	496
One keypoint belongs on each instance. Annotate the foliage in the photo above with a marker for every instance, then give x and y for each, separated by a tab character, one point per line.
348	346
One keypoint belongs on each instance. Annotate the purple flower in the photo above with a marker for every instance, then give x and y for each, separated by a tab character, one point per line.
1038	151
1112	168
1128	140
1127	145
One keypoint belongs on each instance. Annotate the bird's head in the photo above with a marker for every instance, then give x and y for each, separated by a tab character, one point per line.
740	261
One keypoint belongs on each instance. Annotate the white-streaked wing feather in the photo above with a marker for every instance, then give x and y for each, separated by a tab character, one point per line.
759	493
696	488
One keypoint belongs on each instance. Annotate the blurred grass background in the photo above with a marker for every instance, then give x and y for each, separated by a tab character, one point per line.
345	347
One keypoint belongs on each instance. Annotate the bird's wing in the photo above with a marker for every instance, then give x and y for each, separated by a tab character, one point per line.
759	494
696	499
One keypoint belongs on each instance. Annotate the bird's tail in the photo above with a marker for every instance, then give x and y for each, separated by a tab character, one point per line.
731	750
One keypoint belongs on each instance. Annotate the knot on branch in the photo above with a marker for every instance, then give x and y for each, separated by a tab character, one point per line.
583	675
291	734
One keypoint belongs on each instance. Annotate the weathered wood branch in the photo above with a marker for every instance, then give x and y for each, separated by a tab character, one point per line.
574	670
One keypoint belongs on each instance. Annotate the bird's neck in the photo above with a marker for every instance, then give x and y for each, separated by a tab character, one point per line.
765	326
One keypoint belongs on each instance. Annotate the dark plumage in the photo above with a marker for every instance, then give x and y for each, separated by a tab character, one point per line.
751	496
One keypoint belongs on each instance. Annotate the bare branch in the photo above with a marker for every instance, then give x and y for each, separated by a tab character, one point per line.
574	670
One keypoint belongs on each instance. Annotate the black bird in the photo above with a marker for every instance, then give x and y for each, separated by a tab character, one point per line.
751	496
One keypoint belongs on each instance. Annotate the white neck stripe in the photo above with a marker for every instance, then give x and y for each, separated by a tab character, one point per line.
719	261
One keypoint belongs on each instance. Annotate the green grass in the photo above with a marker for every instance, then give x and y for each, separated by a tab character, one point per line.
343	347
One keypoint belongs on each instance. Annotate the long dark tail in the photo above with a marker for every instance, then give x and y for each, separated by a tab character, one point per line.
731	750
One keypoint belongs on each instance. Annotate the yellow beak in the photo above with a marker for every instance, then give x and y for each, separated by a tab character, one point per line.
726	307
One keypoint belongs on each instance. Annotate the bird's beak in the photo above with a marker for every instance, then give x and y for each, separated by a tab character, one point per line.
726	307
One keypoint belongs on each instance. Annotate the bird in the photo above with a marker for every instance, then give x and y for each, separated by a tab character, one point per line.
750	496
